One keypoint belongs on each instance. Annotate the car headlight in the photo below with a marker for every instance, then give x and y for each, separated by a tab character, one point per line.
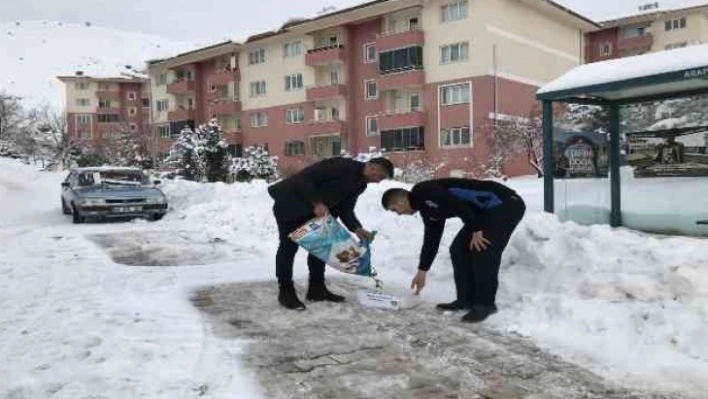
157	200
93	201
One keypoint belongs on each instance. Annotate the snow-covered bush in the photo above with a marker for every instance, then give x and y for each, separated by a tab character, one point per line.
255	164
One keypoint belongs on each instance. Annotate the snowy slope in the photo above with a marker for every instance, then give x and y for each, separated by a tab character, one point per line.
33	53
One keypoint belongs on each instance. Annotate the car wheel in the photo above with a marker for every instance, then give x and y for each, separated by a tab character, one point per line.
156	217
65	209
75	217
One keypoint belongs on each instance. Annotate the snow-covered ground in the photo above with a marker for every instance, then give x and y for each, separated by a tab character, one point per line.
34	53
631	307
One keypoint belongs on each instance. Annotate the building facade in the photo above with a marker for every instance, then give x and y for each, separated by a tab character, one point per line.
192	88
420	79
647	33
99	110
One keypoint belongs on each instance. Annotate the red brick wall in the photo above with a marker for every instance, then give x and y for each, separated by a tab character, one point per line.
593	41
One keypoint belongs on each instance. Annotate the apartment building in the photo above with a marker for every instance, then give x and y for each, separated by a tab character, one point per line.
100	109
420	79
192	88
648	32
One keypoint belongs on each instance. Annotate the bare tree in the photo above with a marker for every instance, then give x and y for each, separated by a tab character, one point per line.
12	115
54	128
515	136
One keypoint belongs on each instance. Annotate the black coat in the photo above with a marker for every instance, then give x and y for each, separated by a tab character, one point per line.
467	199
335	182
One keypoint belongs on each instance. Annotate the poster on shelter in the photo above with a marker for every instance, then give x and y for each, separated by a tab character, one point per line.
580	154
676	153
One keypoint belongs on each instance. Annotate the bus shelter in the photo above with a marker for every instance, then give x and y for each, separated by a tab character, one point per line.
655	156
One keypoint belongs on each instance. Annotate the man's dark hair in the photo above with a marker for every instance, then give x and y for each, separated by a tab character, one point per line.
385	164
392	194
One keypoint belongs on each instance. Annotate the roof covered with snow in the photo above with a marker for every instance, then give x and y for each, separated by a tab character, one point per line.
678	70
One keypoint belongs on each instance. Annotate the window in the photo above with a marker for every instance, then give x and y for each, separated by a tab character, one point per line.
415	102
326	146
453	53
372	126
455	94
676	45
294	115
453	11
83	119
104	86
162	79
258	88
403	59
82	102
334	74
370	53
164	131
105	103
371	92
292	49
84	134
606	49
81	85
108	118
294	147
133	127
259	119
404	139
455	137
162	105
132	111
293	82
146	103
257	56
673	24
132	96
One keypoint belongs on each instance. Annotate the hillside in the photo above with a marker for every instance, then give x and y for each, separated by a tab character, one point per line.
35	52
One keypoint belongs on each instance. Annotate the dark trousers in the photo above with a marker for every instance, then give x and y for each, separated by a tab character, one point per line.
476	273
285	257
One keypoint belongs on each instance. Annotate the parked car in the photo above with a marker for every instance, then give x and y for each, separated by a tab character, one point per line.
111	192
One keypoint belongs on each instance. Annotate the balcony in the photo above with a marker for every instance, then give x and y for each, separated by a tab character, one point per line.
108	94
401	118
391	40
222	77
328	126
636	42
107	110
181	87
225	107
325	55
323	92
396	80
182	114
233	137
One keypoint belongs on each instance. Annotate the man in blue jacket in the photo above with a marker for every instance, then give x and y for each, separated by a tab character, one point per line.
490	212
329	186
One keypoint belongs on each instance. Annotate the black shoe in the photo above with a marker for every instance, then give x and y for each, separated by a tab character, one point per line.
456	305
479	313
288	297
319	292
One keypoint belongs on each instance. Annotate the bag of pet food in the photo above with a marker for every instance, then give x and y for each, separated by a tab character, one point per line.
330	242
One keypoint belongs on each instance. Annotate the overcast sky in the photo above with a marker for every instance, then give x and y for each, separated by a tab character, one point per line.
211	20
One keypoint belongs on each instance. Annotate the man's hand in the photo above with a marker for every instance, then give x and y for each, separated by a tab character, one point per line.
321	209
364	235
478	242
418	281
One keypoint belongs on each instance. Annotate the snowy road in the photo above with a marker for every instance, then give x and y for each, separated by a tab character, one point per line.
105	311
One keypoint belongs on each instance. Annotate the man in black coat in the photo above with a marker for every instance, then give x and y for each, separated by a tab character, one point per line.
490	212
329	186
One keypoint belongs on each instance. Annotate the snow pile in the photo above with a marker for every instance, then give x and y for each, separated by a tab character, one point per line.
34	53
570	288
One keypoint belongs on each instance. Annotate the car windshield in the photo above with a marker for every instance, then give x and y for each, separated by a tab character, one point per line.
113	177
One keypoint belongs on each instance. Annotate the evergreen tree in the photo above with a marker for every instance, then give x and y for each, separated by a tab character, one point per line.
216	157
255	164
187	154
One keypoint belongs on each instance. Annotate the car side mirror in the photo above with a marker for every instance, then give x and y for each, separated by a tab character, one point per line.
65	184
157	182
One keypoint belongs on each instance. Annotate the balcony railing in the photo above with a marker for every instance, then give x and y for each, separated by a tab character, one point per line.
404	77
315	93
325	55
181	86
182	114
394	118
404	37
